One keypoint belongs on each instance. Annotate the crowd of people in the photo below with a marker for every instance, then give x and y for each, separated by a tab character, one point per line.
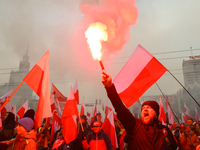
145	133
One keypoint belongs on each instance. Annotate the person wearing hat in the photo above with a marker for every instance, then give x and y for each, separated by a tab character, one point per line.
97	139
146	133
189	139
25	139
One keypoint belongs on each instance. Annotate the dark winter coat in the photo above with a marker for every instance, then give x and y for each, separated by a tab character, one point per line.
143	137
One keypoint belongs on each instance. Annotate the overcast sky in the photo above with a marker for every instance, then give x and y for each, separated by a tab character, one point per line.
162	26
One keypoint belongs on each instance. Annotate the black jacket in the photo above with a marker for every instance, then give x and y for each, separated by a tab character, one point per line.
143	137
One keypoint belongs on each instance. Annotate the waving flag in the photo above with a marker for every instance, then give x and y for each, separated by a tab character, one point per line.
76	92
187	112
162	116
82	108
140	72
56	124
7	107
196	114
38	80
23	109
69	118
109	127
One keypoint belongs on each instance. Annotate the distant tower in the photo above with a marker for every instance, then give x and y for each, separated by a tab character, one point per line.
24	92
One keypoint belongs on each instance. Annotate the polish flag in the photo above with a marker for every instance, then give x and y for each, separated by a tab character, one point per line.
121	140
82	107
23	109
56	124
56	96
76	92
90	118
170	116
59	109
88	113
140	72
68	118
7	107
38	80
162	116
183	118
108	108
187	112
109	127
196	114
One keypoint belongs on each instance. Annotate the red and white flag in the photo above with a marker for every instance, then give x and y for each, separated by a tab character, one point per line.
90	117
187	112
162	116
140	72
76	92
38	80
107	108
7	107
69	118
82	107
109	127
23	109
15	112
56	124
56	97
88	113
170	116
59	112
196	114
183	118
0	122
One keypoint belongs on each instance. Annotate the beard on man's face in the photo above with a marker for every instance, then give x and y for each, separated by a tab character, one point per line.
148	117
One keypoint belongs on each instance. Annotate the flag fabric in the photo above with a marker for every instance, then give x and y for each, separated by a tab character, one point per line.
183	118
68	118
82	107
76	92
38	80
121	140
7	107
187	112
88	113
107	108
59	112
196	115
162	116
23	109
15	113
56	124
90	118
0	122
170	116
56	97
109	127
140	72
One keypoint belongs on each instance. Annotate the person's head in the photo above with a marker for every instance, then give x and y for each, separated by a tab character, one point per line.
190	121
96	126
197	126
24	125
187	128
182	127
9	116
177	124
83	118
150	112
29	113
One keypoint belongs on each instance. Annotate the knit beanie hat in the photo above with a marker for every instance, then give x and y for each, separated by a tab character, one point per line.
27	123
154	105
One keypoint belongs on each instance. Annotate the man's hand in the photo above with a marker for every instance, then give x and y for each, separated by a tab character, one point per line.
106	79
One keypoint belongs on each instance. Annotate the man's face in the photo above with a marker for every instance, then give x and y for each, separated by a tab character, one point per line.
187	128
96	129
190	122
5	116
148	114
20	129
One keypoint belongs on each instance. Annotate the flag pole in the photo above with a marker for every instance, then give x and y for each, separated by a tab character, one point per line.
11	95
184	88
167	102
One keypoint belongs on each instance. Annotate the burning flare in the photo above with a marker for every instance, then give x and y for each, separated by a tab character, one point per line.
95	34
